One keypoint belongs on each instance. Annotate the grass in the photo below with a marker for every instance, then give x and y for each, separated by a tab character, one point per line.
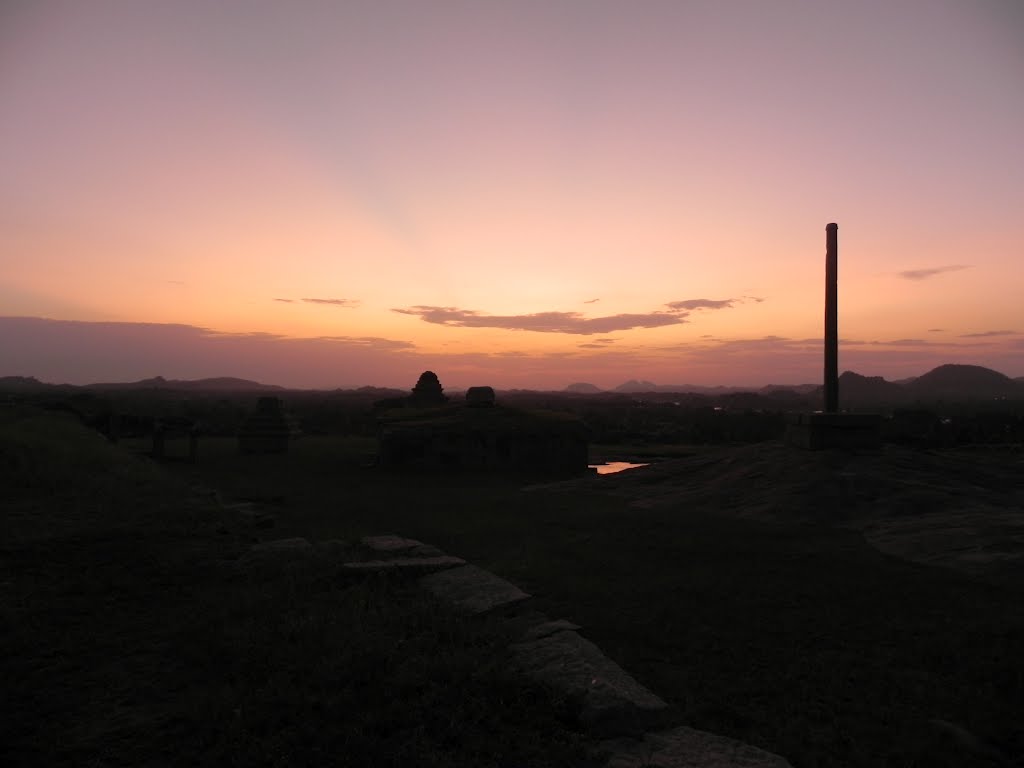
800	639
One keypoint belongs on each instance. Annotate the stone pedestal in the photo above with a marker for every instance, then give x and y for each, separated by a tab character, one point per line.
818	431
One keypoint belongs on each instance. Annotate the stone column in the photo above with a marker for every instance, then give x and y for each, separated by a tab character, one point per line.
831	318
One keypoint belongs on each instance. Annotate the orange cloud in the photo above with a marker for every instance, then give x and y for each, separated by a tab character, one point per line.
924	274
564	322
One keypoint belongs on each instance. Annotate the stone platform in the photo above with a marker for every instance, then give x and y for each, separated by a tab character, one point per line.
819	431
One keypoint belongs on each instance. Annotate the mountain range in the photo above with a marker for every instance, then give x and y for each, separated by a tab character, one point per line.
945	381
219	384
949	381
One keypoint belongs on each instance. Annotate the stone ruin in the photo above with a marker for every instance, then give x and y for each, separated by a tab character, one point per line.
427	392
480	435
268	429
480	397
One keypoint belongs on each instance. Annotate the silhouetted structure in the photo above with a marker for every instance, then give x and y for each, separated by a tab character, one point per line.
427	392
832	429
481	435
268	429
832	318
171	427
480	397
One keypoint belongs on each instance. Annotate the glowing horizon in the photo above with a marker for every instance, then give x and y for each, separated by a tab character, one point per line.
514	193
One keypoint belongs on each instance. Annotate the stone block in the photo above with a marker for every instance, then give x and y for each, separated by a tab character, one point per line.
406	564
538	631
472	590
397	545
608	701
684	747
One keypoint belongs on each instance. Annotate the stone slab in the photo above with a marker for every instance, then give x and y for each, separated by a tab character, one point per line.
281	545
538	631
398	545
472	590
406	564
684	747
256	518
609	701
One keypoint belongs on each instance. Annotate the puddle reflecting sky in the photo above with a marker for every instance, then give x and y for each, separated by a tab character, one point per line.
614	466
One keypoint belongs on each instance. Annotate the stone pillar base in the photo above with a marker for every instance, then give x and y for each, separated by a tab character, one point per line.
819	431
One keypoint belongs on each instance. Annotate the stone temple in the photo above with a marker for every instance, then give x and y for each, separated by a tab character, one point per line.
428	391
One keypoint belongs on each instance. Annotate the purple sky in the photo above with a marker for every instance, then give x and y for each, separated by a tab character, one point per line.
525	193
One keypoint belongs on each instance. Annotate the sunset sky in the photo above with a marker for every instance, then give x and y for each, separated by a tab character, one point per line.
520	194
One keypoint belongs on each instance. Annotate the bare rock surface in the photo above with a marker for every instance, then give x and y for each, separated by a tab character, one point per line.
609	701
296	544
684	747
472	590
334	545
538	631
398	545
240	506
256	518
406	564
956	508
976	537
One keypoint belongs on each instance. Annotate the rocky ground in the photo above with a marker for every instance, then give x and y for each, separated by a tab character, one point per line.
958	508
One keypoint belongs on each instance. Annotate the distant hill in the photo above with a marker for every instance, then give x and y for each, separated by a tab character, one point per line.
379	391
21	383
637	386
855	389
964	381
582	388
220	384
796	389
634	386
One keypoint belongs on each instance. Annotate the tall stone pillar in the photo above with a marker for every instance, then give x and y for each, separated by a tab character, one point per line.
831	318
833	429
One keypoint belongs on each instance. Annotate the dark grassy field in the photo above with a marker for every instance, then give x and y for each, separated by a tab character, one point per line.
133	633
128	638
797	638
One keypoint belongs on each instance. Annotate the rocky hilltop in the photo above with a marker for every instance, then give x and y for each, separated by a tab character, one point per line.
957	508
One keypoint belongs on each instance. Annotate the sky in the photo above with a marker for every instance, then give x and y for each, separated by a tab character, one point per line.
527	194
